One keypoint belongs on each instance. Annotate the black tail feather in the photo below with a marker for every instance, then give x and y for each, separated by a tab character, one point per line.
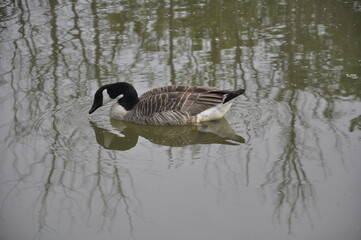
230	94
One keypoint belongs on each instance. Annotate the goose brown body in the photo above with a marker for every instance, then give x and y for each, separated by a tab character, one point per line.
172	105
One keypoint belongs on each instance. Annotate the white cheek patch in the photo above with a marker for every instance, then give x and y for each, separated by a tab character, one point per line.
106	97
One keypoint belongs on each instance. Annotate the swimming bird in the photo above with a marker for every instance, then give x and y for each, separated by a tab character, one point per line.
169	105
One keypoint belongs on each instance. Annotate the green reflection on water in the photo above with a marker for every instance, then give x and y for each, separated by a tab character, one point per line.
299	61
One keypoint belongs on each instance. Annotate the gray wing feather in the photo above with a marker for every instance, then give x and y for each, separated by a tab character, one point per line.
186	99
177	104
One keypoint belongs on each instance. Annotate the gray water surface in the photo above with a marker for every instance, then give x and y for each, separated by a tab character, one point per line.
285	163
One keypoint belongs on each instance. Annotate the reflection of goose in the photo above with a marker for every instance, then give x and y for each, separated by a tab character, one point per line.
114	141
215	132
171	105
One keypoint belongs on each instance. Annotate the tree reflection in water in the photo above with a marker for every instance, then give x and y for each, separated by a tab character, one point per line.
298	61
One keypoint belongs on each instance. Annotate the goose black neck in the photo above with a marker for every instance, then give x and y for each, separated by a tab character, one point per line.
130	98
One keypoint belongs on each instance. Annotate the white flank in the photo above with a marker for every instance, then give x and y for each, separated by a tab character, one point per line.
214	113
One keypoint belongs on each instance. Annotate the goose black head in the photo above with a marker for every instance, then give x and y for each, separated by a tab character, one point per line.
110	92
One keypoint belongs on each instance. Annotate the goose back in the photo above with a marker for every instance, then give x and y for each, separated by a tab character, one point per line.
177	105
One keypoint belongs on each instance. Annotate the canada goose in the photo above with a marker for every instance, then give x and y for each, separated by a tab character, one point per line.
170	105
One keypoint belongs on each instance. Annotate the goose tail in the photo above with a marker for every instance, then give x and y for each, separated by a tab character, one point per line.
230	94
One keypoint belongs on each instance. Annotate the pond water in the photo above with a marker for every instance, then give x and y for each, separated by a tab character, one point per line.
284	163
